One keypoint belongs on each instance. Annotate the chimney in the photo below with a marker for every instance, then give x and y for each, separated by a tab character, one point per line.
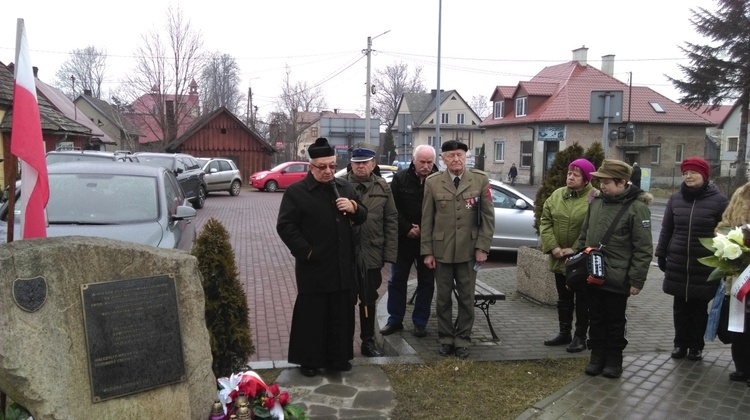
608	65
87	92
580	55
171	122
36	71
335	110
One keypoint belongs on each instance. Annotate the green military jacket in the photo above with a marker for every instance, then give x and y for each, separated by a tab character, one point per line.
379	234
457	221
562	216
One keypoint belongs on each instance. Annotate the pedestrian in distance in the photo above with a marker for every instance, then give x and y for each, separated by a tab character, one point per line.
691	213
512	174
736	214
378	242
458	220
627	256
408	190
563	214
635	179
316	219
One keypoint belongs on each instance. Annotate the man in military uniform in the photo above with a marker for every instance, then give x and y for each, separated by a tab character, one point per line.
458	220
378	238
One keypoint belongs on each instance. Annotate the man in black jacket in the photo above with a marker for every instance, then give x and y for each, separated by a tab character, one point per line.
408	188
315	222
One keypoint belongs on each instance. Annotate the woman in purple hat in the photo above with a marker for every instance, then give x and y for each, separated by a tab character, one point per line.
562	216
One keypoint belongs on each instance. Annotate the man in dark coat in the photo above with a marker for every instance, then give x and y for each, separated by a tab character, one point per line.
408	188
315	222
635	179
692	213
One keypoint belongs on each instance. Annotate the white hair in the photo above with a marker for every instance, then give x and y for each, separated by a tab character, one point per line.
424	147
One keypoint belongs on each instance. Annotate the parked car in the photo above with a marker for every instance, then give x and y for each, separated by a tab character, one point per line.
187	170
59	156
221	175
280	176
514	218
135	203
386	172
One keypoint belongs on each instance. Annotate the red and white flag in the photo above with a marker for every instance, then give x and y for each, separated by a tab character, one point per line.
27	143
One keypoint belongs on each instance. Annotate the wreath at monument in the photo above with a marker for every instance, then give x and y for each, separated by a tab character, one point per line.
247	396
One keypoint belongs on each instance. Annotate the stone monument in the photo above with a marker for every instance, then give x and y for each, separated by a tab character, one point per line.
97	328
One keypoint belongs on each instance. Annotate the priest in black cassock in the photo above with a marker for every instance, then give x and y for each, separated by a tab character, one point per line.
315	222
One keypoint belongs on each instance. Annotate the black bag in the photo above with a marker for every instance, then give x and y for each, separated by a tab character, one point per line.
722	331
584	267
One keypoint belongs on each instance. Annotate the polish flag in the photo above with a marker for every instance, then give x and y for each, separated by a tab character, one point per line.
27	143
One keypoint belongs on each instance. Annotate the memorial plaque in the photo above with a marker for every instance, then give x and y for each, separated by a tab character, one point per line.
133	335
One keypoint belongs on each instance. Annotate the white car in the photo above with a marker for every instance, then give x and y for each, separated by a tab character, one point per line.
514	218
221	175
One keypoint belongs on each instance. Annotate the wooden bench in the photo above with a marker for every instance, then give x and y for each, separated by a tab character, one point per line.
484	296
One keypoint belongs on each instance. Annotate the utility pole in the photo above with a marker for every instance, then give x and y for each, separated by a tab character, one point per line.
368	51
438	96
250	107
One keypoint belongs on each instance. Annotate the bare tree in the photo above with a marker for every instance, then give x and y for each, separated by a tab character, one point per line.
286	126
481	105
162	86
84	70
220	84
390	84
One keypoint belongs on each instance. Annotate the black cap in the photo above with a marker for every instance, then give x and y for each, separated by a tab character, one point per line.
320	149
454	145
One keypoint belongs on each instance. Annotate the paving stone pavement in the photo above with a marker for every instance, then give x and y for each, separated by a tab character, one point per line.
652	386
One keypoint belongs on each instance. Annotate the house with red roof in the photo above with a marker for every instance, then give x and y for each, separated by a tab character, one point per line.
729	137
535	119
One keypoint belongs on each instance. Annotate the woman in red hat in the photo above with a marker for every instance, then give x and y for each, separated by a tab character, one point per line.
692	213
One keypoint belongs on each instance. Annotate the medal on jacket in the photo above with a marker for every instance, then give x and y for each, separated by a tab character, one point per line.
471	202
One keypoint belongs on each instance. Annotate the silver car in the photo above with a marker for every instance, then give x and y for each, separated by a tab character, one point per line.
221	175
514	218
128	202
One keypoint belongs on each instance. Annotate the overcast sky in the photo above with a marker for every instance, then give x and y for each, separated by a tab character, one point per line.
483	43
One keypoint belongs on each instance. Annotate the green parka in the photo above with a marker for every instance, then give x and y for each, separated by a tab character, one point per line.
379	234
563	214
627	255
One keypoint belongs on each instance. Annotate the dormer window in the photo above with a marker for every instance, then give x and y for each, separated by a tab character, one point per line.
521	106
657	107
499	110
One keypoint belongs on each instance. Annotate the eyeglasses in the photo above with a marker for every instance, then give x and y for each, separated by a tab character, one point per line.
690	173
324	167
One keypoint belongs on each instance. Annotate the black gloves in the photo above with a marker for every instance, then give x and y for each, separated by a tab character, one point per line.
662	262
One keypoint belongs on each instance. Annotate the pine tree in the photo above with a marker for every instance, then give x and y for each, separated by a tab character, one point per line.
720	70
226	303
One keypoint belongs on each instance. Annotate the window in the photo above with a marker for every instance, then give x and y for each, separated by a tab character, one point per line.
657	107
460	118
655	155
314	132
679	153
527	151
436	145
444	118
732	144
499	151
499	110
521	106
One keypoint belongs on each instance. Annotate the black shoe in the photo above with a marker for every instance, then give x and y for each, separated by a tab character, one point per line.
446	350
559	339
679	352
596	363
308	371
370	349
738	376
419	332
612	371
694	355
577	345
340	366
391	328
462	352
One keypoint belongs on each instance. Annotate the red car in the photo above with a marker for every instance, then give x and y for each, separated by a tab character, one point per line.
280	176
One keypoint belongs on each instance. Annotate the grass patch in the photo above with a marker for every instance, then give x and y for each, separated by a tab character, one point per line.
456	389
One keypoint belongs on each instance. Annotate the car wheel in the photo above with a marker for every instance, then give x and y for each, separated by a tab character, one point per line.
272	186
200	200
235	188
